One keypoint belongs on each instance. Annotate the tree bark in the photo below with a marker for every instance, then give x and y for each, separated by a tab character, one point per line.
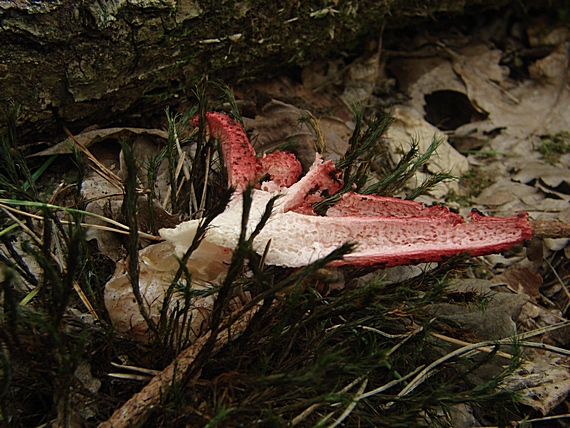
77	63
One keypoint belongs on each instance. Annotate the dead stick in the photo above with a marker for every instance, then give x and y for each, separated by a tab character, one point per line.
550	229
136	410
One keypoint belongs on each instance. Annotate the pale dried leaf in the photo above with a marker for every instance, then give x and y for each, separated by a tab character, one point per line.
158	265
522	280
534	317
408	126
505	197
543	380
88	138
551	175
537	106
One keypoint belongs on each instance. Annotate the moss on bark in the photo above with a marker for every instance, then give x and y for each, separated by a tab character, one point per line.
78	63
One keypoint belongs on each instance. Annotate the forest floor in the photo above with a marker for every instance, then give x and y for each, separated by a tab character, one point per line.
382	347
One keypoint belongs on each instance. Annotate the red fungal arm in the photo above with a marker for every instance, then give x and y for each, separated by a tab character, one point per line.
388	241
284	169
322	179
355	204
243	167
430	240
238	154
388	231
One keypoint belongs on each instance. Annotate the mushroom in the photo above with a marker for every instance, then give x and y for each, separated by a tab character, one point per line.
387	231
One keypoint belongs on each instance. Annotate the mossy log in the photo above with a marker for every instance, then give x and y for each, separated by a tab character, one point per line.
76	63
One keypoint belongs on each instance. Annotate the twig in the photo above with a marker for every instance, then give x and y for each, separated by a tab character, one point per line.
124	229
136	369
137	409
545	347
550	229
101	169
542	330
548	418
400	343
384	334
85	300
560	282
30	233
429	370
181	158
25	228
202	206
309	410
130	376
302	416
391	383
351	406
463	343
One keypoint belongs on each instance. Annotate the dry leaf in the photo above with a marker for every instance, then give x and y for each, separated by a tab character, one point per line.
88	138
409	126
522	280
506	196
491	315
207	265
552	176
361	76
279	123
533	317
543	381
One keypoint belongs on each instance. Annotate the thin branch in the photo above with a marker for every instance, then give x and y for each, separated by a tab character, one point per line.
137	409
463	343
124	229
351	406
429	370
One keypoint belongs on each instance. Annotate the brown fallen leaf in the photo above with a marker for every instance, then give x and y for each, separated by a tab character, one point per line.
279	123
522	280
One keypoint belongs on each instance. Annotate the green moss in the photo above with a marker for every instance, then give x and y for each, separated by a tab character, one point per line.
552	148
272	37
471	185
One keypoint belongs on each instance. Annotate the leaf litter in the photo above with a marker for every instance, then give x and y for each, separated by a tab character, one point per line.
506	116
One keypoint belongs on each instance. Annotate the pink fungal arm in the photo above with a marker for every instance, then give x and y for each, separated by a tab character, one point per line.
426	239
353	204
243	168
322	179
238	154
283	168
297	239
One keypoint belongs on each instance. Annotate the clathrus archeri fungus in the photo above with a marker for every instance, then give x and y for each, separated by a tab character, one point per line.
387	231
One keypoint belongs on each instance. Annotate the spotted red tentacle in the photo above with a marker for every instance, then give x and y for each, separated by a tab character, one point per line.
239	156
